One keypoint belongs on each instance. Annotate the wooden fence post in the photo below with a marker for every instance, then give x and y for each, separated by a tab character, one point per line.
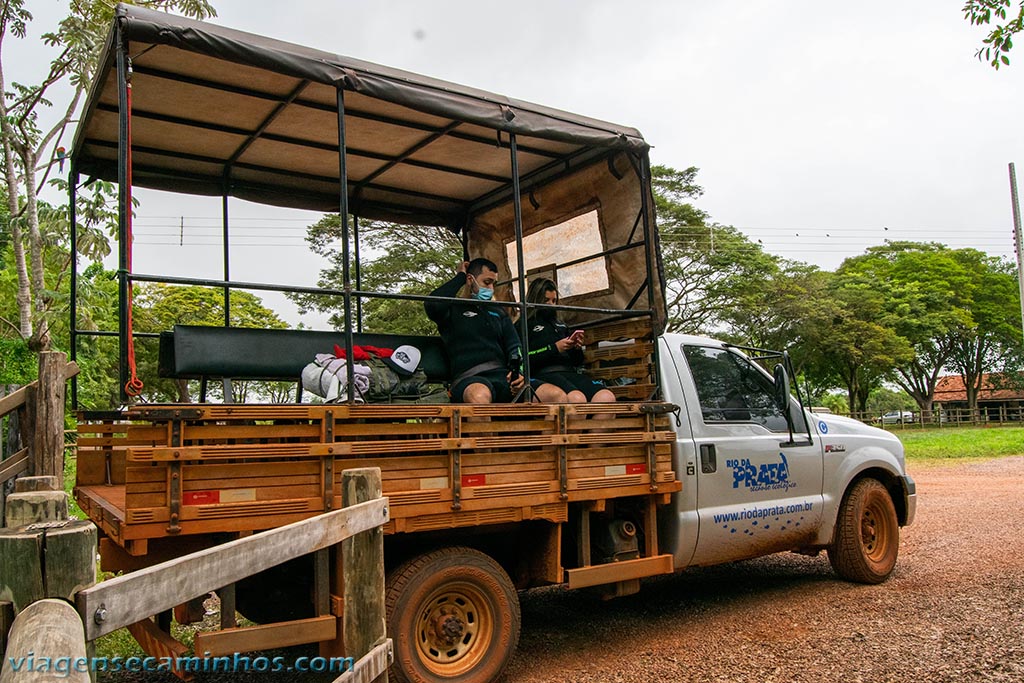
47	643
48	454
359	576
6	621
47	560
26	419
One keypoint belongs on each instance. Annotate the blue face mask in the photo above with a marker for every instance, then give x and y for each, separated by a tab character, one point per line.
484	294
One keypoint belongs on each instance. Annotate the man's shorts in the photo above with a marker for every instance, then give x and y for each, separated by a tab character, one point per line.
573	381
495	380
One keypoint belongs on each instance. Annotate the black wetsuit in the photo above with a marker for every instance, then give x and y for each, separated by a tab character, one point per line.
481	341
550	365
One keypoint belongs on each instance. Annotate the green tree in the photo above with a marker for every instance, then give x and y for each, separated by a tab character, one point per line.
97	355
404	260
883	400
97	298
52	304
999	41
158	307
990	341
704	263
834	402
926	293
32	145
782	310
857	346
18	365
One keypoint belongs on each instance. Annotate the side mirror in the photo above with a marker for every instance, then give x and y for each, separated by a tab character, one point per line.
781	388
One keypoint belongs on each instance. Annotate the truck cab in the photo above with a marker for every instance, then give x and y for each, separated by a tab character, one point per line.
758	480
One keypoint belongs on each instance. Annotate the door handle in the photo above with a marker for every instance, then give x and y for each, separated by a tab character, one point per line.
708	459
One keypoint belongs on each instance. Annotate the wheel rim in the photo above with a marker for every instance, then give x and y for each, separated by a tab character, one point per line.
454	629
875	532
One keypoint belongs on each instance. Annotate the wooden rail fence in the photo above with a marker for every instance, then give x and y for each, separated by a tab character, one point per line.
349	592
350	607
1004	414
35	429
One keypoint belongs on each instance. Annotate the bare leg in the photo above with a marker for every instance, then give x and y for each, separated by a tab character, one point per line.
549	393
476	393
603	396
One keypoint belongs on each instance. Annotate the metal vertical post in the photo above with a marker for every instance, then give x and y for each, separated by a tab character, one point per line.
1018	238
518	219
343	211
645	207
122	210
73	327
359	275
227	265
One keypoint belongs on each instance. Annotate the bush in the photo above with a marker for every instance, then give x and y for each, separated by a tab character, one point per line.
18	365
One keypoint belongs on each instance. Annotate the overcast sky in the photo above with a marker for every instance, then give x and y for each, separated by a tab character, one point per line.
820	128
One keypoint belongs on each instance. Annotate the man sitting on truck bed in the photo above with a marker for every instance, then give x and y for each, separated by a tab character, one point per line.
484	348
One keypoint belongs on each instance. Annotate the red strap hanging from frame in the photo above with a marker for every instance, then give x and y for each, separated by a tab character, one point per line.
133	387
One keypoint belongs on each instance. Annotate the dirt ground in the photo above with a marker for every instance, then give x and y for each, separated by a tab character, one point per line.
953	610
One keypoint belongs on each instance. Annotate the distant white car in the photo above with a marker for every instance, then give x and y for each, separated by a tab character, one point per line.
897	417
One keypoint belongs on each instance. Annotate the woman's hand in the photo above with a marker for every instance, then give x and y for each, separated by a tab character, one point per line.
563	345
573	341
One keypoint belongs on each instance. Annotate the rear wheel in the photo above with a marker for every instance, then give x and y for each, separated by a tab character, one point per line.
453	615
867	537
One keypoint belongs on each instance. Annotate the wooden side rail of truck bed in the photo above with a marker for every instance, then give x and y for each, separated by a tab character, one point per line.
177	470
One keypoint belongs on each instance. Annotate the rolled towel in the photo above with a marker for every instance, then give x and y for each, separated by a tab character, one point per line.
320	382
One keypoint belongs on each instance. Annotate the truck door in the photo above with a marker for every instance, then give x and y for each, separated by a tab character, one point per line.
757	493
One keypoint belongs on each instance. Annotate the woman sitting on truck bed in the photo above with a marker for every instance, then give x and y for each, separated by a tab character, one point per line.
555	353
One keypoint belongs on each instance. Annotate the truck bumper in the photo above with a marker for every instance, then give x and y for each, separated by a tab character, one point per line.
909	498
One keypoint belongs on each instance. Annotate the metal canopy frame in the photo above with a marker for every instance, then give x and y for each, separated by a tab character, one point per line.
349	199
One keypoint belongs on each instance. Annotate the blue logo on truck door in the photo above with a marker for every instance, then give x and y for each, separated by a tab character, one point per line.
768	476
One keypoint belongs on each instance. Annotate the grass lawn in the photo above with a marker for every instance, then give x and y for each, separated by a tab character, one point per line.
962	442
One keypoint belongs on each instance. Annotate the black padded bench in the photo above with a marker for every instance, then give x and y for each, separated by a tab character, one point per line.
227	353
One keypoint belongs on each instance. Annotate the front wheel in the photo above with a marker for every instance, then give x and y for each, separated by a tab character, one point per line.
867	537
453	615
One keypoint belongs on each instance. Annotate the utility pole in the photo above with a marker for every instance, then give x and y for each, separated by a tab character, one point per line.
1018	239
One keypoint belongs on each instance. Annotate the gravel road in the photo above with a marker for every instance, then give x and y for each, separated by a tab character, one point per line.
953	610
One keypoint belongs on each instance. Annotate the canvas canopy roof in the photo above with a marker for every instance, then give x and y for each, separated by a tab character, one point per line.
217	111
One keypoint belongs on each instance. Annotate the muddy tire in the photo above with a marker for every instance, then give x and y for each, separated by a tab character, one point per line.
453	615
867	537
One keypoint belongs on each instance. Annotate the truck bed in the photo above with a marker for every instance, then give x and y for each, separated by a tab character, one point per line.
159	471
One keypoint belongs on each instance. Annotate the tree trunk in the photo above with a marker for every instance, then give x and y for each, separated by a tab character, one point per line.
182	387
24	294
40	340
851	395
862	399
926	406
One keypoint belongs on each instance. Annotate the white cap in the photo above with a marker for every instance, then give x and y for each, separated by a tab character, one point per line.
404	360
